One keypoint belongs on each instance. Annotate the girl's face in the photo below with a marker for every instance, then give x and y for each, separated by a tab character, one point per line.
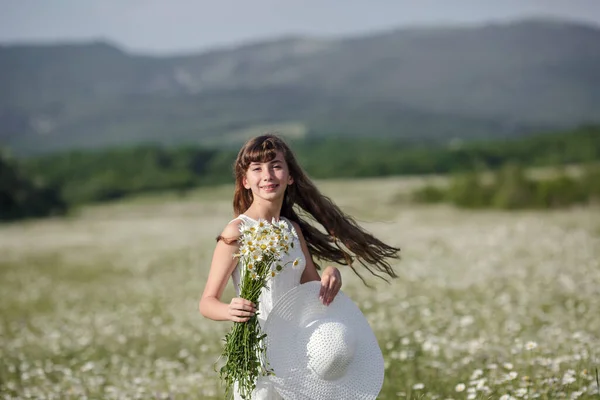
268	180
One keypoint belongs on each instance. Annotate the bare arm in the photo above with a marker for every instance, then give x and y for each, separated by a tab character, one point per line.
331	281
222	265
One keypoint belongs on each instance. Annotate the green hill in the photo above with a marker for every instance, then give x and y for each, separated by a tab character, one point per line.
429	84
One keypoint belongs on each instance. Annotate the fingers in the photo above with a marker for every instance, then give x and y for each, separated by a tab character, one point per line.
235	318
241	310
243	304
331	282
324	287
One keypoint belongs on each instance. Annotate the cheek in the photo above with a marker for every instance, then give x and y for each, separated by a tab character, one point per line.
251	179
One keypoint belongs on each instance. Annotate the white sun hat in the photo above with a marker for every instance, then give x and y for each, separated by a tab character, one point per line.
320	352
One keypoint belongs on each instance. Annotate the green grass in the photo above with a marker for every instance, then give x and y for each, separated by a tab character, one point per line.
103	304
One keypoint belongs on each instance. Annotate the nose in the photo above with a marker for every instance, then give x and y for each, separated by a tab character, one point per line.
267	174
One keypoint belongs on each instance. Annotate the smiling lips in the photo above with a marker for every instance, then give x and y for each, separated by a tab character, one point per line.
269	188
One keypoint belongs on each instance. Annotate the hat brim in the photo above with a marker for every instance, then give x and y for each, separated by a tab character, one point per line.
289	324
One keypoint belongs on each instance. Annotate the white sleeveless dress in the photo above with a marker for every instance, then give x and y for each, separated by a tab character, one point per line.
287	279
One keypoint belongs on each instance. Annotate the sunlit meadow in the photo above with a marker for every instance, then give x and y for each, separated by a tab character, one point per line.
103	304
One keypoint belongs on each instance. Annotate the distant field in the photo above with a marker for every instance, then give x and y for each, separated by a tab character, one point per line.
103	304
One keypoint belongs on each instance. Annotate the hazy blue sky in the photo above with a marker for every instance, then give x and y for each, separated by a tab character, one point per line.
163	26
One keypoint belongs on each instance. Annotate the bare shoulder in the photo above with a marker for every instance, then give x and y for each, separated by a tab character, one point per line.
233	227
232	230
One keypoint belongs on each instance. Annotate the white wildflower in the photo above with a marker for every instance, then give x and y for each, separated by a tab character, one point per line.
530	345
256	256
520	392
479	383
576	394
568	377
283	225
466	320
88	366
476	374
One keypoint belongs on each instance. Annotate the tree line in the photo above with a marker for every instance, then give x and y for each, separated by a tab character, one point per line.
62	180
22	196
510	188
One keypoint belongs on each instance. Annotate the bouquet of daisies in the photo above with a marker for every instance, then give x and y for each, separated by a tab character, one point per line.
262	247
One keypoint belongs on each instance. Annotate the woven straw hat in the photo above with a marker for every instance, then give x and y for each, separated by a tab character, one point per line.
322	352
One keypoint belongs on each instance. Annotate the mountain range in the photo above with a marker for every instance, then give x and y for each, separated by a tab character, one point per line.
416	84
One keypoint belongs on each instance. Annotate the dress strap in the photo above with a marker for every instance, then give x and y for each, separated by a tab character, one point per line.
246	218
242	217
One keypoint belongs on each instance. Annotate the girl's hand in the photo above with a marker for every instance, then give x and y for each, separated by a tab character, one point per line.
240	310
331	282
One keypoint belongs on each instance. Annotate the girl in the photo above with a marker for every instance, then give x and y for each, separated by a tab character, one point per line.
269	184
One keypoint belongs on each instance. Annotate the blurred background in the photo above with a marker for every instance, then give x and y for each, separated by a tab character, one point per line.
466	132
106	99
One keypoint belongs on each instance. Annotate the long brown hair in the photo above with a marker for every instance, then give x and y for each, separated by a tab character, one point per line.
344	241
